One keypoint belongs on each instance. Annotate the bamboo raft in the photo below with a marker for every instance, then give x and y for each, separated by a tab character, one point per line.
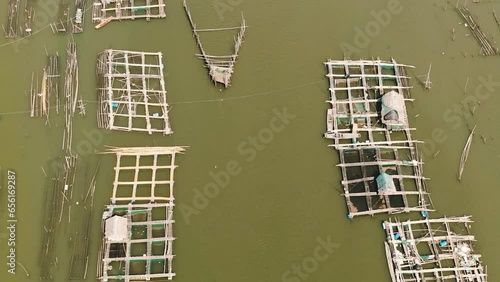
53	79
56	197
486	45
40	97
70	94
220	68
29	17
37	98
81	230
12	19
465	154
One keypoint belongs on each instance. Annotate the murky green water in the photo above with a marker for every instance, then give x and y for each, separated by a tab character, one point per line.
286	197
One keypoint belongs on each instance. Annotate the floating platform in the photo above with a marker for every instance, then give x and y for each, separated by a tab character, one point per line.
127	10
432	250
138	226
368	122
131	92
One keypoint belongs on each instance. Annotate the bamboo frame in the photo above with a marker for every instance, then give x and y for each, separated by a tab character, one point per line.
432	250
157	171
127	10
367	146
165	258
125	86
128	206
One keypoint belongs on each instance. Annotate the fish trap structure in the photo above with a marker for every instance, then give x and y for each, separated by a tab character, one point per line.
432	250
131	92
368	122
127	10
138	226
220	68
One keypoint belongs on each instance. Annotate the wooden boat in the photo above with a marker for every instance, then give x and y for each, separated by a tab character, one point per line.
103	23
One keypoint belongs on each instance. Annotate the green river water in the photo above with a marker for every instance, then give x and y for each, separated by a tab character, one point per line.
286	198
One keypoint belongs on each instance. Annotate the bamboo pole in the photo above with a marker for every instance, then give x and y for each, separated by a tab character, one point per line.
465	154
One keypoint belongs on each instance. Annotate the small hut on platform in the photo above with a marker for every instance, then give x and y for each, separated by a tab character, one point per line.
394	111
116	229
385	184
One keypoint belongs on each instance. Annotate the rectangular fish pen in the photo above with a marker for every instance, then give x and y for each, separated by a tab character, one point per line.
432	250
381	169
220	68
131	92
127	10
137	227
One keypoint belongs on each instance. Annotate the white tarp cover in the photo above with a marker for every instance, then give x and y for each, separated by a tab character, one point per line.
116	229
393	108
